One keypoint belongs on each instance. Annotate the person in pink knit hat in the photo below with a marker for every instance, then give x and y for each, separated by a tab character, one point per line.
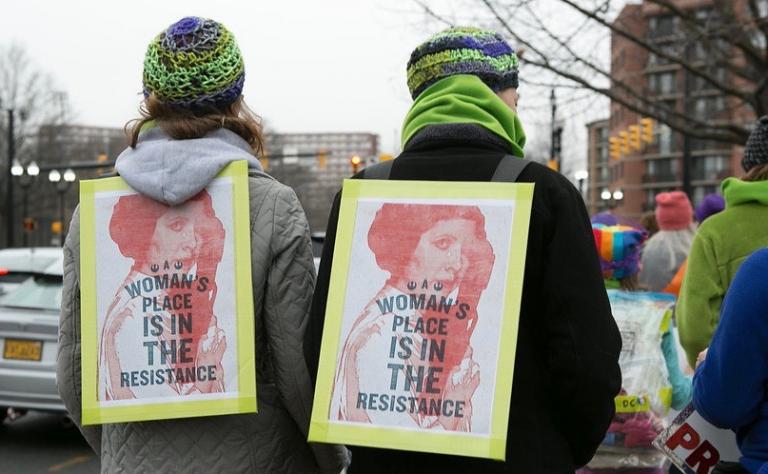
666	251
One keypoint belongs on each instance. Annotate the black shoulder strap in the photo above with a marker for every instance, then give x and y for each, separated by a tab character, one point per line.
509	169
378	171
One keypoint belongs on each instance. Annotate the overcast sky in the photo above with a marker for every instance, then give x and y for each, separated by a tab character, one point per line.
311	66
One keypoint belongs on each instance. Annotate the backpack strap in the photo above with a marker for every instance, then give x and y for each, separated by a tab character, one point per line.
509	169
378	171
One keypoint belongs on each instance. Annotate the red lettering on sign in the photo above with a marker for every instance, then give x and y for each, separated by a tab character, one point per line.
704	458
686	437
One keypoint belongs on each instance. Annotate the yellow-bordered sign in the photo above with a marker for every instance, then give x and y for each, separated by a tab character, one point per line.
422	316
166	302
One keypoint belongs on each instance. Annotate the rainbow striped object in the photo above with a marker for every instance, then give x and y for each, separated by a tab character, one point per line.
619	249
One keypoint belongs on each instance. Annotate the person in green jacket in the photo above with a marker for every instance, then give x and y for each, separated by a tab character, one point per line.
723	242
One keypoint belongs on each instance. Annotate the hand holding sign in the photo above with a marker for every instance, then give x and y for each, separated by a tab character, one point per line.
209	354
461	385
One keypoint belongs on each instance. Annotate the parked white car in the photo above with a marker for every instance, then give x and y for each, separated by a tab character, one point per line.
16	265
29	323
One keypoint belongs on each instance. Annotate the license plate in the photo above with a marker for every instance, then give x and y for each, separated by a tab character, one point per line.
19	349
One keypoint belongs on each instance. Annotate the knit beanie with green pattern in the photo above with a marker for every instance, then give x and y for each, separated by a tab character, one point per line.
194	63
463	50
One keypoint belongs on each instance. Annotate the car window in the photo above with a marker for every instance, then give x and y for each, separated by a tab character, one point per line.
38	292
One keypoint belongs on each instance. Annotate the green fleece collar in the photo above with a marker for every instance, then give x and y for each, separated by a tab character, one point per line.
736	191
464	99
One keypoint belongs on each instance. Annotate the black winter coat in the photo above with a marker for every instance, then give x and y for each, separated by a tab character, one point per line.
566	367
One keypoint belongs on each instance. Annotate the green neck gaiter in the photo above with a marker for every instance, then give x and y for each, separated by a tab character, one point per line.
464	99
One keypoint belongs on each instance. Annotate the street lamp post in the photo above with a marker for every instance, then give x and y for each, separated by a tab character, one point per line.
612	199
25	181
62	186
9	224
581	176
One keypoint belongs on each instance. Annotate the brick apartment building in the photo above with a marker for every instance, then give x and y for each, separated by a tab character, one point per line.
657	167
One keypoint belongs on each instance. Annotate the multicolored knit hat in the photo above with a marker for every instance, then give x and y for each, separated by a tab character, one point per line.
756	150
194	63
482	53
619	249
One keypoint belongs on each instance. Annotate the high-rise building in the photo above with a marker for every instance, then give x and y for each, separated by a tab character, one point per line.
640	174
323	163
50	204
597	158
316	174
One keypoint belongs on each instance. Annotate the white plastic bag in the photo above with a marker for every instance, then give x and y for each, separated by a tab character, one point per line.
646	393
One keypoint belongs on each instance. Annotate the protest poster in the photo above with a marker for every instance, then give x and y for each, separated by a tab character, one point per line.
645	398
166	302
421	322
695	445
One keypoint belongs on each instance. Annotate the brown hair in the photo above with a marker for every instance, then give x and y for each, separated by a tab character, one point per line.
182	123
648	221
757	173
630	283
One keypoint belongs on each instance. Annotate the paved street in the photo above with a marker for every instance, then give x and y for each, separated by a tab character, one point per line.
43	443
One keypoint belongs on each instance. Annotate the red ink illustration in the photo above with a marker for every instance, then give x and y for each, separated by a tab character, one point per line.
160	336
417	329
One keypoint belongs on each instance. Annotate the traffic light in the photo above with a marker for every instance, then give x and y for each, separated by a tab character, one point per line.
322	159
615	148
553	165
355	161
646	130
56	227
101	158
264	163
386	157
29	224
634	137
624	141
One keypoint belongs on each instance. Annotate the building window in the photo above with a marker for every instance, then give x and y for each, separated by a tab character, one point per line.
663	83
664	139
660	26
706	106
699	84
670	49
700	192
709	167
663	170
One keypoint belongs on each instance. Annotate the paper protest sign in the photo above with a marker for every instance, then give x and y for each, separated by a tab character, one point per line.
421	322
695	445
166	302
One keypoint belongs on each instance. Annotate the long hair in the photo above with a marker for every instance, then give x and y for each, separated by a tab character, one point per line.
182	123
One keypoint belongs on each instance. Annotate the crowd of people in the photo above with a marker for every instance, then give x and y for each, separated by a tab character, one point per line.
703	269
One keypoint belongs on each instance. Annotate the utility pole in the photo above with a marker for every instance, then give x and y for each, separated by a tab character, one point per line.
553	104
687	188
9	219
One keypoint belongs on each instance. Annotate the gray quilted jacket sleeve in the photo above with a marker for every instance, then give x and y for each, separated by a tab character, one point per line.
290	283
68	360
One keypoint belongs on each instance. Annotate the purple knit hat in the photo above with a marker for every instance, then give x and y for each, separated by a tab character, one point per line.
712	204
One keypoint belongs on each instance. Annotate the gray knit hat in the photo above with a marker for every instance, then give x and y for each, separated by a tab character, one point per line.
756	151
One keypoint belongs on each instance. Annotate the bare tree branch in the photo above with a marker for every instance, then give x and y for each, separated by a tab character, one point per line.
726	132
709	78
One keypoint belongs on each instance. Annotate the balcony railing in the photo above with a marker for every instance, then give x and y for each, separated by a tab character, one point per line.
660	178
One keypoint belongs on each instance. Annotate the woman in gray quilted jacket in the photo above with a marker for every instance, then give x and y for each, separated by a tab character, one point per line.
194	122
